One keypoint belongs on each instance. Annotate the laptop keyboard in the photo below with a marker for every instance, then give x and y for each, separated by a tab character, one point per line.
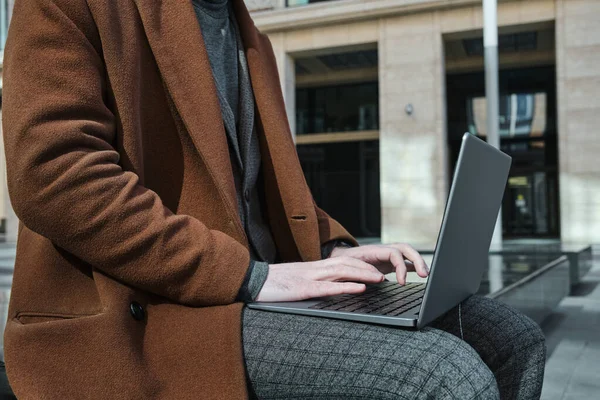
387	298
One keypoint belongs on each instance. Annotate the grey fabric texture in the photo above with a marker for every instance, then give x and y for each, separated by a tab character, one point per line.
257	279
221	45
300	357
230	73
253	281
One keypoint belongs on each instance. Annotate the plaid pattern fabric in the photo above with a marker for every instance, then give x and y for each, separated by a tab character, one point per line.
299	357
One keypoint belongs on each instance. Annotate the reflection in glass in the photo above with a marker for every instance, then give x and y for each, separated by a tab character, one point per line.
521	114
294	3
530	203
528	133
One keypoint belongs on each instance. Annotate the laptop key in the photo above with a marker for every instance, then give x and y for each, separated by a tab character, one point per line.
400	298
396	305
405	308
387	294
392	303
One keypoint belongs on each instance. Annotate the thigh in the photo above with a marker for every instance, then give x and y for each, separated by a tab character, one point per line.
289	356
510	343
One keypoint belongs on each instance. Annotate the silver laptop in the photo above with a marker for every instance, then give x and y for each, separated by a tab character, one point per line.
459	260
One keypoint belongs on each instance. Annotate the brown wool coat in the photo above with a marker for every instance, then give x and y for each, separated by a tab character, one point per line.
118	168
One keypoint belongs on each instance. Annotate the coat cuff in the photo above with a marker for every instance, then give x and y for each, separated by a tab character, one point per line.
254	281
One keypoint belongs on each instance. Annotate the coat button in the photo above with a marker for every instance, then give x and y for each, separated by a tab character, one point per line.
137	311
247	194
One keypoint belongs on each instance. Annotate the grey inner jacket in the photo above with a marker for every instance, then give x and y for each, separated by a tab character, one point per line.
230	72
232	80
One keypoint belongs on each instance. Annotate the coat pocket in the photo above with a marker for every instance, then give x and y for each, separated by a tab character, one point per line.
30	317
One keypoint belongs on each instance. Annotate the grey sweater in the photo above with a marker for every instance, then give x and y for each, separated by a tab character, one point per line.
219	31
221	38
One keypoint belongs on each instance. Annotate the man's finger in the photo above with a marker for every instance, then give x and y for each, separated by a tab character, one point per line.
357	263
349	269
413	256
409	265
396	257
323	289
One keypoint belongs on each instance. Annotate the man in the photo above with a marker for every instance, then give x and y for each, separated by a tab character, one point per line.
152	167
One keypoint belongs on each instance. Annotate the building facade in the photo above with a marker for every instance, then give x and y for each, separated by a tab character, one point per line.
379	93
384	89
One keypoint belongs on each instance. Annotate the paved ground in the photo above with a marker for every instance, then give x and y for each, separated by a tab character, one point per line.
573	338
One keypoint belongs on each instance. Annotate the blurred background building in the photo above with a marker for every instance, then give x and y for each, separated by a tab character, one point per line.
379	93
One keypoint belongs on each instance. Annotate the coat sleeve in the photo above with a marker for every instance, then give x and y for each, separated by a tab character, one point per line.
64	177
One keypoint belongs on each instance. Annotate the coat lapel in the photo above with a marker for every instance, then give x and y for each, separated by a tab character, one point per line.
176	42
277	147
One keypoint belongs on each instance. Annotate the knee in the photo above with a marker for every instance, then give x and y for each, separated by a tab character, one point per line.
524	334
534	336
473	379
462	374
507	329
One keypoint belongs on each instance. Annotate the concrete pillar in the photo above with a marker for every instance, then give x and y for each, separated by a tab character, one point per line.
412	128
578	85
287	77
12	222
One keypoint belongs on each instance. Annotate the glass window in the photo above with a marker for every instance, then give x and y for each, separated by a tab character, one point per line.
342	108
294	3
507	43
528	133
344	181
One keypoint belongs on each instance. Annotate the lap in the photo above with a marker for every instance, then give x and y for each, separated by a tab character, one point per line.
289	355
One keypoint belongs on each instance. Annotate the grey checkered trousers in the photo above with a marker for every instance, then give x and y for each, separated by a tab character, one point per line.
300	357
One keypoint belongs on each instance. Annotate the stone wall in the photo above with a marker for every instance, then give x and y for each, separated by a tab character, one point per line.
412	146
578	74
261	5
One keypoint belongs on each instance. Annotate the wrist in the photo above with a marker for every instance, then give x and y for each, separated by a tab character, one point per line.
339	249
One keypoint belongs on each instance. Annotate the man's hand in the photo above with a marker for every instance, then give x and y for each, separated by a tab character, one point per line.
329	277
397	257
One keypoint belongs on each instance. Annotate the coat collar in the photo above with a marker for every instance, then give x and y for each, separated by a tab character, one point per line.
178	47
